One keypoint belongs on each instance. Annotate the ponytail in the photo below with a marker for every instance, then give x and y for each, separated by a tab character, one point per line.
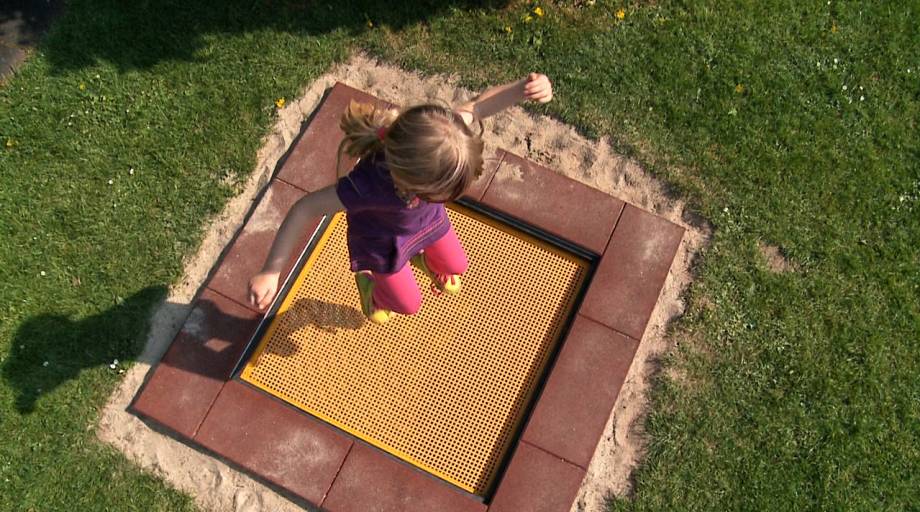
362	124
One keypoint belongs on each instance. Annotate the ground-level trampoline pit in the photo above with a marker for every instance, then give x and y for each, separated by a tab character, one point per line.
445	390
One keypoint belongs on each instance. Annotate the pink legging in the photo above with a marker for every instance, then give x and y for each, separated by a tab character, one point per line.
398	292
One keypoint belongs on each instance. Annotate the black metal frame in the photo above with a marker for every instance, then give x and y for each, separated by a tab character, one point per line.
591	257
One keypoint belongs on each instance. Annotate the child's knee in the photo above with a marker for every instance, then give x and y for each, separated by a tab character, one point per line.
412	306
409	304
406	301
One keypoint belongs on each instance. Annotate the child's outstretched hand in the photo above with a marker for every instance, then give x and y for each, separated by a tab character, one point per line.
538	88
262	289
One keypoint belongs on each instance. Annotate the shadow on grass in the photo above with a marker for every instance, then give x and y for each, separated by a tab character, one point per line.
70	346
24	22
142	33
209	344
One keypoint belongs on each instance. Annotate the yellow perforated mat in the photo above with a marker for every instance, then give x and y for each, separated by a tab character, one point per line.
445	389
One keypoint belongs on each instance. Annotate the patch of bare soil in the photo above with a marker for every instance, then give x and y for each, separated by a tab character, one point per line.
776	262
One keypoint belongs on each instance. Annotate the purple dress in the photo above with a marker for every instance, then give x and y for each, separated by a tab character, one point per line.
383	231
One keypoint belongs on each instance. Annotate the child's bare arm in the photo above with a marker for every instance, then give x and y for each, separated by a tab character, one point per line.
264	285
535	86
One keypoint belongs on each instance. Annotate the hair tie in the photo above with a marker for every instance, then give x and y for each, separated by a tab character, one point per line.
381	133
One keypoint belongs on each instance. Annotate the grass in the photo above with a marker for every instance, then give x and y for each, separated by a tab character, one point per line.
797	390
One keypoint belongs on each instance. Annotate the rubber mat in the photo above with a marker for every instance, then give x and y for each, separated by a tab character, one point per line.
445	389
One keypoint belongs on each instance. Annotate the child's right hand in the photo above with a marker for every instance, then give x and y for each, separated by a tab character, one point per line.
538	88
262	289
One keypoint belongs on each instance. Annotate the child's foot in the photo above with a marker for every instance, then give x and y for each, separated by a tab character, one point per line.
440	283
366	290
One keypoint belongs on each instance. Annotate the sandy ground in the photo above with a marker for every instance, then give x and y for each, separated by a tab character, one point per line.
214	485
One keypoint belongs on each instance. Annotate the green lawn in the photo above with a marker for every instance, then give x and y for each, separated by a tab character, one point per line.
788	123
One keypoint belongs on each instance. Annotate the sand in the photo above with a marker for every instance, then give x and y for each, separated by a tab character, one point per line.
216	486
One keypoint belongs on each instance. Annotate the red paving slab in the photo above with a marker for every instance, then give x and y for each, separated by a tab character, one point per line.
582	387
310	165
373	481
555	203
280	444
199	361
177	399
629	277
536	481
248	252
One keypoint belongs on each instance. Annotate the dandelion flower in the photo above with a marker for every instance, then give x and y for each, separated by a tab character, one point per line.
528	18
279	103
370	24
620	14
508	29
739	88
538	11
834	28
82	86
10	143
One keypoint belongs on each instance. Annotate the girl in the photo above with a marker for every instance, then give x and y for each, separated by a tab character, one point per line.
410	163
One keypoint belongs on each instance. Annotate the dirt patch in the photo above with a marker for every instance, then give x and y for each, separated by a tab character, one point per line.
776	262
214	485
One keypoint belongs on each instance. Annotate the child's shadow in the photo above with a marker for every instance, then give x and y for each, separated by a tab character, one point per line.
51	349
324	316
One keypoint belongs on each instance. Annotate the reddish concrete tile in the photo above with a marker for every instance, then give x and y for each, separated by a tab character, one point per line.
310	165
536	481
213	337
489	168
274	441
247	255
177	399
629	277
371	480
192	373
557	204
582	387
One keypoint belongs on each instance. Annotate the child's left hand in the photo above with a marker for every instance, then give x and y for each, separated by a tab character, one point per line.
538	88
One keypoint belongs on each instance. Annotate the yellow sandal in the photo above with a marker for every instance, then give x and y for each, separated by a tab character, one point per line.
440	283
366	290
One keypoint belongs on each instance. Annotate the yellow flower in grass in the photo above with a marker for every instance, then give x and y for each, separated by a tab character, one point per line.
82	86
834	28
739	88
528	18
370	24
279	103
538	11
10	143
508	29
620	14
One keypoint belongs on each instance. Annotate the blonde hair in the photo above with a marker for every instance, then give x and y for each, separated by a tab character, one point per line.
429	149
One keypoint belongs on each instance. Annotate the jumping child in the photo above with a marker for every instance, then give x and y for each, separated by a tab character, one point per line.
410	164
